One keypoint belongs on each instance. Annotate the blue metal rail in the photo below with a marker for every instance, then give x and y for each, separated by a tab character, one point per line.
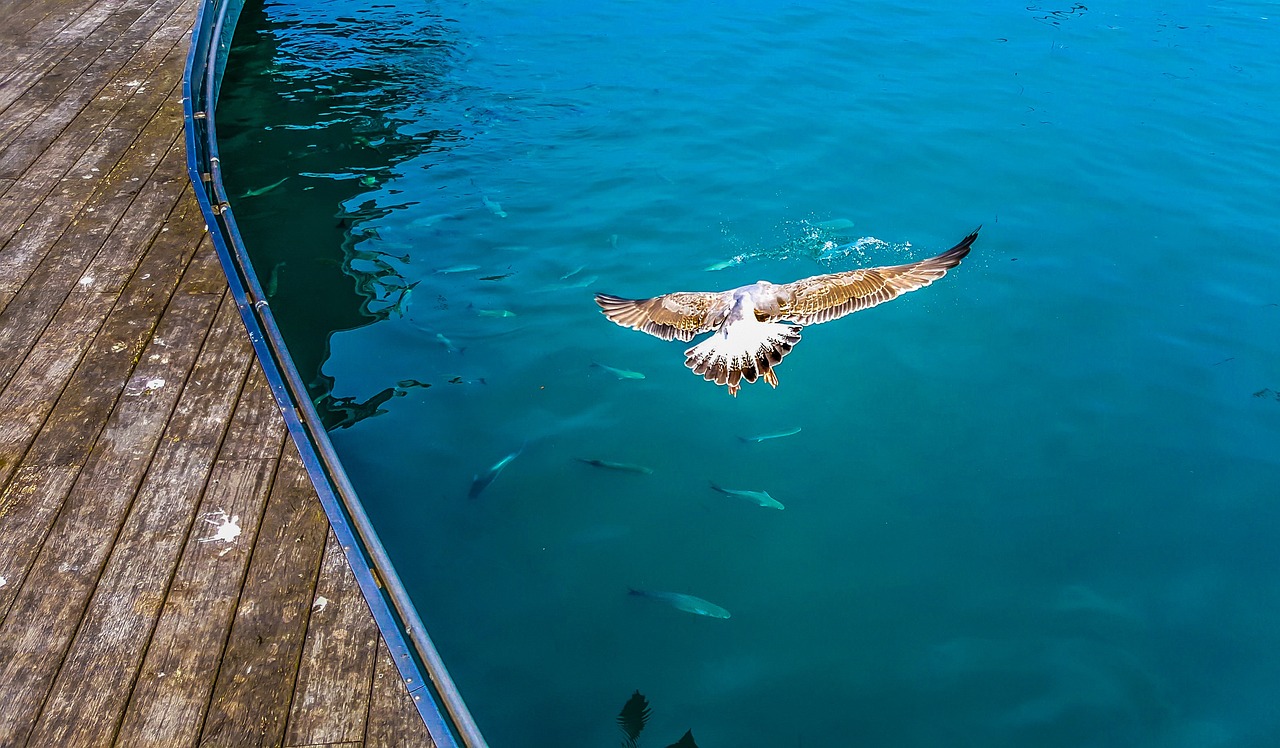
433	692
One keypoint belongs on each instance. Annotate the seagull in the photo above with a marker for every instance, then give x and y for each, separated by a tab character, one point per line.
755	326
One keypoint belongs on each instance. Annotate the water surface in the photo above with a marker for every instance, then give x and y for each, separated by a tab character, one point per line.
1033	504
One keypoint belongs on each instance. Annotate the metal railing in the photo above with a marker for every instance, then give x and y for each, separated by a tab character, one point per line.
433	691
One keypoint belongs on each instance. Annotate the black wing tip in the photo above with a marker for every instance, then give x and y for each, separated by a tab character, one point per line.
960	250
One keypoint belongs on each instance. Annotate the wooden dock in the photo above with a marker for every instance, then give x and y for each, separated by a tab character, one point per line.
167	575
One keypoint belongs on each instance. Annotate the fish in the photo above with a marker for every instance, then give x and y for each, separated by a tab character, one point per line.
460	380
457	269
407	383
620	373
448	344
494	206
273	281
765	437
497	277
723	265
761	498
681	601
573	272
495	313
480	482
835	224
622	467
264	190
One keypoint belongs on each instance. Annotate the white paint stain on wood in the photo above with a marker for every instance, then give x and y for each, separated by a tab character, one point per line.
227	529
320	604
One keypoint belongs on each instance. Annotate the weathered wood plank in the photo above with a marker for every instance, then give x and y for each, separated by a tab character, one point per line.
30	26
393	718
130	587
40	300
5	298
250	703
88	531
27	509
76	218
136	39
331	701
38	386
80	42
174	684
5	184
68	170
105	372
120	455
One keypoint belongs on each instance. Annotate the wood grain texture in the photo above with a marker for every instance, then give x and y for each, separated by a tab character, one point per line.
331	701
251	697
176	679
136	434
387	727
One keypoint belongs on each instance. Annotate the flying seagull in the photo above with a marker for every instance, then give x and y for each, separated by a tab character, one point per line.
755	326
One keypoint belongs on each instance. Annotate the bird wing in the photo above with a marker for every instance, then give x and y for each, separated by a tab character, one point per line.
822	298
682	315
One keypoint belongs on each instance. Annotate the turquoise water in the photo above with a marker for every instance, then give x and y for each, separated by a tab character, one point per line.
1035	504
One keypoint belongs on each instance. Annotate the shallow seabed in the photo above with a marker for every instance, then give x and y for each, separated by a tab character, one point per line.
1034	504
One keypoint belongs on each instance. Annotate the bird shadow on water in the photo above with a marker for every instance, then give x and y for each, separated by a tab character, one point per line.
632	719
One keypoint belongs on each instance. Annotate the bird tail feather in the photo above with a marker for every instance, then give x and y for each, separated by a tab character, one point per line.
745	350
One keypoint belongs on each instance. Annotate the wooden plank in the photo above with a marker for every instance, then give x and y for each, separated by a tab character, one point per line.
78	42
36	303
5	184
89	530
109	174
27	510
173	687
129	438
5	298
393	718
250	703
68	170
30	396
331	701
128	593
133	41
39	24
93	390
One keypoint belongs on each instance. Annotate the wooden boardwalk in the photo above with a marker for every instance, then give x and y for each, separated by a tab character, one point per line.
167	576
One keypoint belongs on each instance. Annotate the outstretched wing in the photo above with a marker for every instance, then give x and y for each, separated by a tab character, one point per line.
823	298
675	315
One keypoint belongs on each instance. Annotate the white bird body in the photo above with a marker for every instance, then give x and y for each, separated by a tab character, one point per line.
753	327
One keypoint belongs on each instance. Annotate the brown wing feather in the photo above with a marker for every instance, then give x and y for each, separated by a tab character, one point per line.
822	298
682	315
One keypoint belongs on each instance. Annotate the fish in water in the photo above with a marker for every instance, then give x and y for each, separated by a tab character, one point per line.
480	482
765	437
753	327
681	601
494	206
573	272
273	280
457	269
620	373
497	277
264	190
760	498
495	313
835	224
460	380
448	344
622	467
722	265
